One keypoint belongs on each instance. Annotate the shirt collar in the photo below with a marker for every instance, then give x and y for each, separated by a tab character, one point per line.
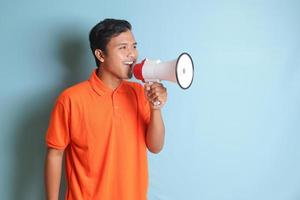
99	86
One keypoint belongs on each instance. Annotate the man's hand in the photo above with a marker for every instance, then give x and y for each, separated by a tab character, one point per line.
156	94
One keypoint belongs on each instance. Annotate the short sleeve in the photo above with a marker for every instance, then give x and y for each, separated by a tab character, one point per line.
58	135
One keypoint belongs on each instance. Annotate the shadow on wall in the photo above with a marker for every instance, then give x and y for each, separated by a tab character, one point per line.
28	179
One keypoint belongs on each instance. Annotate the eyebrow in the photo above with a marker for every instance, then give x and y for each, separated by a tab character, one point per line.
124	43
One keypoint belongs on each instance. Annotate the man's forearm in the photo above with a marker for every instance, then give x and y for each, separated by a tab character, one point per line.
156	132
53	167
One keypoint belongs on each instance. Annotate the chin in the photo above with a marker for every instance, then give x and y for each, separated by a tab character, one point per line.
129	75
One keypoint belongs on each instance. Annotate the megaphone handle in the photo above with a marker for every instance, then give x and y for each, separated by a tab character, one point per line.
150	82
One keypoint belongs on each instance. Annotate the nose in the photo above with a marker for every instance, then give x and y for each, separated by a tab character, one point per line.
132	52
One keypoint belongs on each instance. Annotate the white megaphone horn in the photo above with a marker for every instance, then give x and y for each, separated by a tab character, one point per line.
180	70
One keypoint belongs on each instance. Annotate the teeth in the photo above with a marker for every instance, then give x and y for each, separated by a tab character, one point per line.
128	62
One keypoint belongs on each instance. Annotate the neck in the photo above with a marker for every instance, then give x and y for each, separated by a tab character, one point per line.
108	79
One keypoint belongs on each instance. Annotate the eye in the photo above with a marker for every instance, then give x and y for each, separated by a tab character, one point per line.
122	47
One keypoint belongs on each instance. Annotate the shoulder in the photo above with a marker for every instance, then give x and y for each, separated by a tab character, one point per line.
133	85
137	89
74	92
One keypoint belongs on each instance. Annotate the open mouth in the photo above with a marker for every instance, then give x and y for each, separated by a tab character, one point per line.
129	63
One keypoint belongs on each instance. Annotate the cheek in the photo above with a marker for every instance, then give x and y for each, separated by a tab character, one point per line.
119	56
115	58
136	53
116	62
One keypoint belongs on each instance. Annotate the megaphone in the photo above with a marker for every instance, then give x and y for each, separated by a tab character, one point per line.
180	70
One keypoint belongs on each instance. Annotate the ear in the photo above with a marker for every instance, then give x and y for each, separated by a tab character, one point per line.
99	55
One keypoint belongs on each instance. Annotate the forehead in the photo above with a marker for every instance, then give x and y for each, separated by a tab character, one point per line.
123	38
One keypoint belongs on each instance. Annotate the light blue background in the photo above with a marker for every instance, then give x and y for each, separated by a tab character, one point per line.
234	135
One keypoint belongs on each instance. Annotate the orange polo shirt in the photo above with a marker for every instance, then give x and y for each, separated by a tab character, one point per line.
103	134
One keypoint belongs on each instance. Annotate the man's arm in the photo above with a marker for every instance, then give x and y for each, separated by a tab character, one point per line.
53	167
156	130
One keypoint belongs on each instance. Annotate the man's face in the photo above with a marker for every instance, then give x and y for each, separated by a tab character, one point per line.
120	56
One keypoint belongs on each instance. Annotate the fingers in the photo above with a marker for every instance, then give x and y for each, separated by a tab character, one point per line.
156	94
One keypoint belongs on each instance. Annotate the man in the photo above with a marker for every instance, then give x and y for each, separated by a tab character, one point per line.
106	124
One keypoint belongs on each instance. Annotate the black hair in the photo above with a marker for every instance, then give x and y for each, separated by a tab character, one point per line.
102	32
